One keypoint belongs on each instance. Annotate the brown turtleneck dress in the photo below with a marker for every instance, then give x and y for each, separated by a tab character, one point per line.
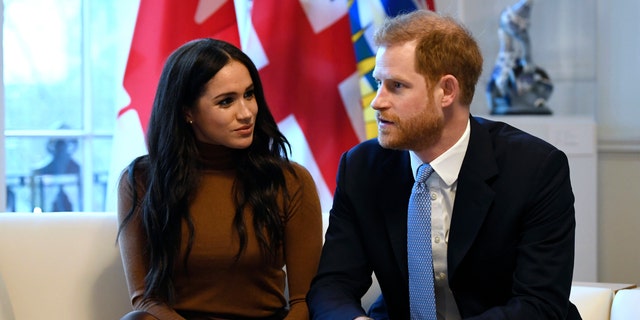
215	286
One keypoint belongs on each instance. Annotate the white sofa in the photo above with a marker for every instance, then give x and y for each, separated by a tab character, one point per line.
61	266
67	266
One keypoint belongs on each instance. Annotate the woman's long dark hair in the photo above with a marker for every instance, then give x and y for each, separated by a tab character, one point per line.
172	168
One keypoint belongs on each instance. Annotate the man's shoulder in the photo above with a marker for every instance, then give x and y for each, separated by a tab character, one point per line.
370	150
504	135
367	146
512	150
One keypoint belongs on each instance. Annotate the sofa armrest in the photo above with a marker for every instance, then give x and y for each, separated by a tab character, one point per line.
626	305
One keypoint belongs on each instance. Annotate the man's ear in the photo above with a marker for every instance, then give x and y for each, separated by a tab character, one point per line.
450	89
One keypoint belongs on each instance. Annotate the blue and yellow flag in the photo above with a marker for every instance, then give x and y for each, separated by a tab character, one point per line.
365	17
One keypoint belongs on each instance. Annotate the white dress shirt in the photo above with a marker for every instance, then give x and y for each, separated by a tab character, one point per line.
442	187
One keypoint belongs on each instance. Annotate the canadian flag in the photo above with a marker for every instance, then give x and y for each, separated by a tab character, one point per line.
161	27
307	63
306	60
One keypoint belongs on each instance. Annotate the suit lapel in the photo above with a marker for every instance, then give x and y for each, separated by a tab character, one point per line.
393	202
473	196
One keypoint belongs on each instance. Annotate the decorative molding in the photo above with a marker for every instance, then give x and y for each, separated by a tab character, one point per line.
618	146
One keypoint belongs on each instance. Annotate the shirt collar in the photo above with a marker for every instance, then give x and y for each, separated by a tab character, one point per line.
448	164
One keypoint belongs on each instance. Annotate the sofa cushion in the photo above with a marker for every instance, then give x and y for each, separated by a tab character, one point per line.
62	266
593	303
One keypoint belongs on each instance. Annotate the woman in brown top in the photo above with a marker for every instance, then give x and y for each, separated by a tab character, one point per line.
212	215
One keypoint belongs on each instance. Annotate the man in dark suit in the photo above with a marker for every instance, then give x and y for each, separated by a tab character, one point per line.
502	219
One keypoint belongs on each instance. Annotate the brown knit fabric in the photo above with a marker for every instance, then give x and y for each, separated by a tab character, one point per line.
216	286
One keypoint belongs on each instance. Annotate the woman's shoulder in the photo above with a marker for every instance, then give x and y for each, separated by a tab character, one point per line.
299	173
135	173
299	168
302	191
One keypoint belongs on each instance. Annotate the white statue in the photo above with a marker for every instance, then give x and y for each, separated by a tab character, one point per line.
517	85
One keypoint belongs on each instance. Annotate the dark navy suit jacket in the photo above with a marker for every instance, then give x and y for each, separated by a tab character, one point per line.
511	242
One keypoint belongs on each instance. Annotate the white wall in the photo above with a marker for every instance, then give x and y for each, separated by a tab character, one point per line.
618	52
619	219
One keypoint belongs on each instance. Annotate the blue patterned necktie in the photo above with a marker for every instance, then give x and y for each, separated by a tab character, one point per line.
421	292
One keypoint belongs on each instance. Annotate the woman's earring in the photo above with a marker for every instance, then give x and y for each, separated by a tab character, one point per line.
190	121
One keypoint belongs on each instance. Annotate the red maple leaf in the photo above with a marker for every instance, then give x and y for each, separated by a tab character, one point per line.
303	74
162	26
